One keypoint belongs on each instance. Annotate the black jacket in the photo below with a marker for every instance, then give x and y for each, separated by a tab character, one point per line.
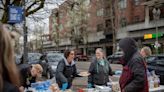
65	73
99	74
8	87
26	78
133	78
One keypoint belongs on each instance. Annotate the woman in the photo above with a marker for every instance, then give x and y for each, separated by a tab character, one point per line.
99	70
145	51
134	77
66	70
9	79
29	74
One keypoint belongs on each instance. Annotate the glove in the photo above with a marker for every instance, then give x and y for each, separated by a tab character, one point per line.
89	85
64	86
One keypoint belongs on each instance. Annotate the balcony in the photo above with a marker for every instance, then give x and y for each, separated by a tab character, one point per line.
143	25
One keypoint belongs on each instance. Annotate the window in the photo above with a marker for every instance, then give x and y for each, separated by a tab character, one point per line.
108	23
122	4
123	22
136	2
136	19
100	12
99	27
107	11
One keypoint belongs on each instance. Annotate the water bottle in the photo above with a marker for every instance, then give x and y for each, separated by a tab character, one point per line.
156	81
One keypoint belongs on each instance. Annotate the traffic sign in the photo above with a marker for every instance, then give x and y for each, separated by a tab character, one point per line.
15	14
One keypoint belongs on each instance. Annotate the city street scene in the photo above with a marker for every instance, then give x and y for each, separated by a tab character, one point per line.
81	45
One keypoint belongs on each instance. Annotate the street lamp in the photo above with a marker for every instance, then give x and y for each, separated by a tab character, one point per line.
156	16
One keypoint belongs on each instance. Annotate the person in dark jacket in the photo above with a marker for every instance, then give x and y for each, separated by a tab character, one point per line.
66	70
9	76
134	77
44	63
29	74
99	70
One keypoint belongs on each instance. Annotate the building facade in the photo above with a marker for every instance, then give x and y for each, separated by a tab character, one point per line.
105	22
134	18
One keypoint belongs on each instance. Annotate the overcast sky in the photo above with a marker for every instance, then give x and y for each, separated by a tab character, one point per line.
45	13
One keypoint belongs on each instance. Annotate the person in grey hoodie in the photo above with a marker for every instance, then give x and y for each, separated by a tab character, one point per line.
66	70
99	70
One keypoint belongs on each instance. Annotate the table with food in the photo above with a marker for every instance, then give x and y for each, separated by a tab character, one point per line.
112	86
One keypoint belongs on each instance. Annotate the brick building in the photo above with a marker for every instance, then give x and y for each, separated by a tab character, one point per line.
131	18
98	26
134	18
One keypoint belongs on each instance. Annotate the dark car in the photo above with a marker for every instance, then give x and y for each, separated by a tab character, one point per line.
53	60
114	58
81	57
156	62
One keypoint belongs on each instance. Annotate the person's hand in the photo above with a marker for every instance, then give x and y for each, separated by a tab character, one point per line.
64	86
21	89
89	85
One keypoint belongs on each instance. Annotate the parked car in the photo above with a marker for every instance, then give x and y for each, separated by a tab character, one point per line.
156	62
114	58
33	58
81	57
53	60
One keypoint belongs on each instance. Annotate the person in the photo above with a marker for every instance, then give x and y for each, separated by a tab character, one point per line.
66	70
30	73
99	70
9	76
134	77
44	63
145	51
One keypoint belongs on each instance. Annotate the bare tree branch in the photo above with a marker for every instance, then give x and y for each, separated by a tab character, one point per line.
2	3
36	9
1	8
31	5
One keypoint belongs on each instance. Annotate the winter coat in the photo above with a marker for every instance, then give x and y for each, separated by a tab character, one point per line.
99	75
8	87
134	77
65	73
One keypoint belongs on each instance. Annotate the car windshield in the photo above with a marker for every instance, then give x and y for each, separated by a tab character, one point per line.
54	57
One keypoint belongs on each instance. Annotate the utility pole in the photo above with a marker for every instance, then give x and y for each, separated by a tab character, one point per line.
25	56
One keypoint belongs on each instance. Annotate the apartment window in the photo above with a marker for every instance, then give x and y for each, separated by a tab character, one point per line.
107	11
100	12
122	4
99	27
108	23
136	2
123	22
136	19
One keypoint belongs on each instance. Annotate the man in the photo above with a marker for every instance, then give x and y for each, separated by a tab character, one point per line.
134	77
29	73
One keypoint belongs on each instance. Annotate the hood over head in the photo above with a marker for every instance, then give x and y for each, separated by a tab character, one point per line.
129	47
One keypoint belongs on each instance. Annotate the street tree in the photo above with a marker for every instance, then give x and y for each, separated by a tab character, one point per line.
32	6
78	18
